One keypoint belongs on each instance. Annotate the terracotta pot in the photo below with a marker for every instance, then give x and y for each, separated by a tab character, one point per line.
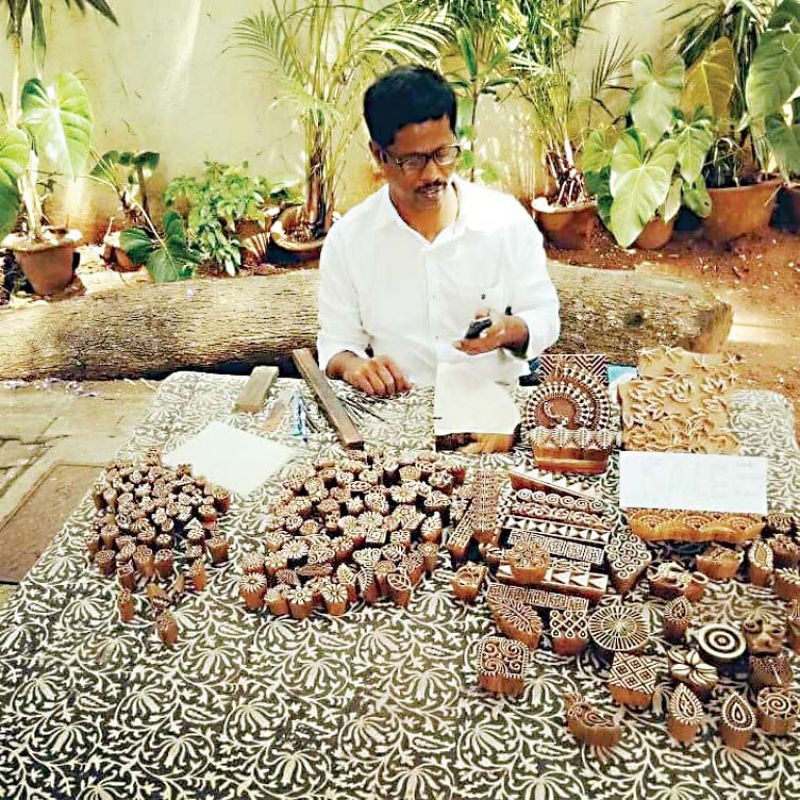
115	256
655	234
790	205
48	264
280	232
570	228
739	210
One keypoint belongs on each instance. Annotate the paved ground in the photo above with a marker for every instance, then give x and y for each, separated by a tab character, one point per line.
43	424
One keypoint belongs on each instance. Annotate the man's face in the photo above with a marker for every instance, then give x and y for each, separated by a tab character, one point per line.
421	188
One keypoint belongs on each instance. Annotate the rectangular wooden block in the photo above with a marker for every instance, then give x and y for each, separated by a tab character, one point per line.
251	399
559	548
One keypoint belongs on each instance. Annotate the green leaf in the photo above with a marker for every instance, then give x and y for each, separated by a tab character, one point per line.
710	80
774	75
137	244
598	150
171	259
147	160
694	140
14	152
655	96
696	198
467	48
59	119
672	204
784	141
639	185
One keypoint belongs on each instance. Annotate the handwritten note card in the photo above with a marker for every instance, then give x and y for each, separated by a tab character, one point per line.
685	481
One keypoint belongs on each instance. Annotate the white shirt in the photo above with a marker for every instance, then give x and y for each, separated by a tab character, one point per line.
385	286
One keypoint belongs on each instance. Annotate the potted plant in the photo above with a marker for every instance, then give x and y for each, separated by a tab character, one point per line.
323	54
720	47
564	110
46	125
224	208
127	174
55	127
643	175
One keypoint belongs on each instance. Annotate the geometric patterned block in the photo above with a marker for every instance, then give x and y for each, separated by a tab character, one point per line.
502	664
632	679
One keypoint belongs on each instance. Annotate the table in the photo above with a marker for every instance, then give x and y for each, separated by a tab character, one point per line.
381	703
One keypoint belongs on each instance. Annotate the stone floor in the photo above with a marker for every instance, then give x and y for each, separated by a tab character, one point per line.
47	423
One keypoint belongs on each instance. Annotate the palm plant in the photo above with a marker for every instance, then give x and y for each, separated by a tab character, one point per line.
322	55
483	35
547	77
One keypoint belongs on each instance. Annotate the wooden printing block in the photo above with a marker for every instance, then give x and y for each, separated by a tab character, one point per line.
686	666
460	538
502	664
632	679
719	563
620	628
684	714
588	725
518	621
252	588
737	721
484	510
275	600
677	618
720	643
336	598
781	523
467	581
167	628
557	547
430	555
763	632
785	551
569	631
773	670
562	530
628	557
568	577
382	571
760	563
578	519
522	479
776	711
301	602
125	606
538	598
787	584
793	625
528	562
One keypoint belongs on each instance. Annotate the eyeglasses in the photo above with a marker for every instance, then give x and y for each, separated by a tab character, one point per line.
416	162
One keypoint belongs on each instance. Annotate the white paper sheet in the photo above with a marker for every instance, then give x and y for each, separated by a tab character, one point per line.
685	481
464	402
234	459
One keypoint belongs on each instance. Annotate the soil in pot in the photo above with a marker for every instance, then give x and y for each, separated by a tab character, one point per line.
655	234
113	254
570	227
740	210
49	263
292	233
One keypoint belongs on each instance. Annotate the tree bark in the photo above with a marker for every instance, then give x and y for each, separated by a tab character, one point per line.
225	324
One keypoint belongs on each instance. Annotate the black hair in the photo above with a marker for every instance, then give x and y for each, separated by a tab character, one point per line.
405	96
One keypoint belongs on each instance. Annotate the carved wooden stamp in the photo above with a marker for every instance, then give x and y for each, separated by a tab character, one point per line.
684	714
528	561
620	628
467	581
793	625
502	664
763	632
686	666
785	551
589	725
628	557
677	618
538	598
787	584
760	563
569	631
632	679
773	670
776	711
719	563
519	621
720	643
737	721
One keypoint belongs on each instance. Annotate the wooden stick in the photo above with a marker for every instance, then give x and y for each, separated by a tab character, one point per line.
328	401
251	399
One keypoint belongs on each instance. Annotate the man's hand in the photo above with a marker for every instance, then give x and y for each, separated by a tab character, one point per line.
505	331
374	376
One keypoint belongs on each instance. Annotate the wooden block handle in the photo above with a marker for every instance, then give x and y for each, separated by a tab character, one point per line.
328	401
251	399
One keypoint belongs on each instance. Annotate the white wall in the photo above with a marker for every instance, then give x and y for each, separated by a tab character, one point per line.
163	81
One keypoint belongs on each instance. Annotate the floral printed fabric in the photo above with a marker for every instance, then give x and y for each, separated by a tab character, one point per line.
381	703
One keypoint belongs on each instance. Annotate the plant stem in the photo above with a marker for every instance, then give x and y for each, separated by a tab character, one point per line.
473	120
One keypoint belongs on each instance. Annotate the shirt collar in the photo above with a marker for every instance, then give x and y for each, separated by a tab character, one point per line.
469	212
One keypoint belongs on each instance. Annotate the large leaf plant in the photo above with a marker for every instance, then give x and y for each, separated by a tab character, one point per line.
655	164
321	55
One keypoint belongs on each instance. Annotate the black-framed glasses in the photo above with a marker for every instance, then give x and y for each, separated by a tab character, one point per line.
416	162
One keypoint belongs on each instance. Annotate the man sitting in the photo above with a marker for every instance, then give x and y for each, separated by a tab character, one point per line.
404	273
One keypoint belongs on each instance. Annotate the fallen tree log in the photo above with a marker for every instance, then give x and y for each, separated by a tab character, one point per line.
217	324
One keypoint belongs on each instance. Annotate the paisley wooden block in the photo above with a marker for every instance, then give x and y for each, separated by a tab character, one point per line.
684	714
760	563
677	618
737	721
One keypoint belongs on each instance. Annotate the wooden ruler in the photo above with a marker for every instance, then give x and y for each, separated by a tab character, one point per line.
328	401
